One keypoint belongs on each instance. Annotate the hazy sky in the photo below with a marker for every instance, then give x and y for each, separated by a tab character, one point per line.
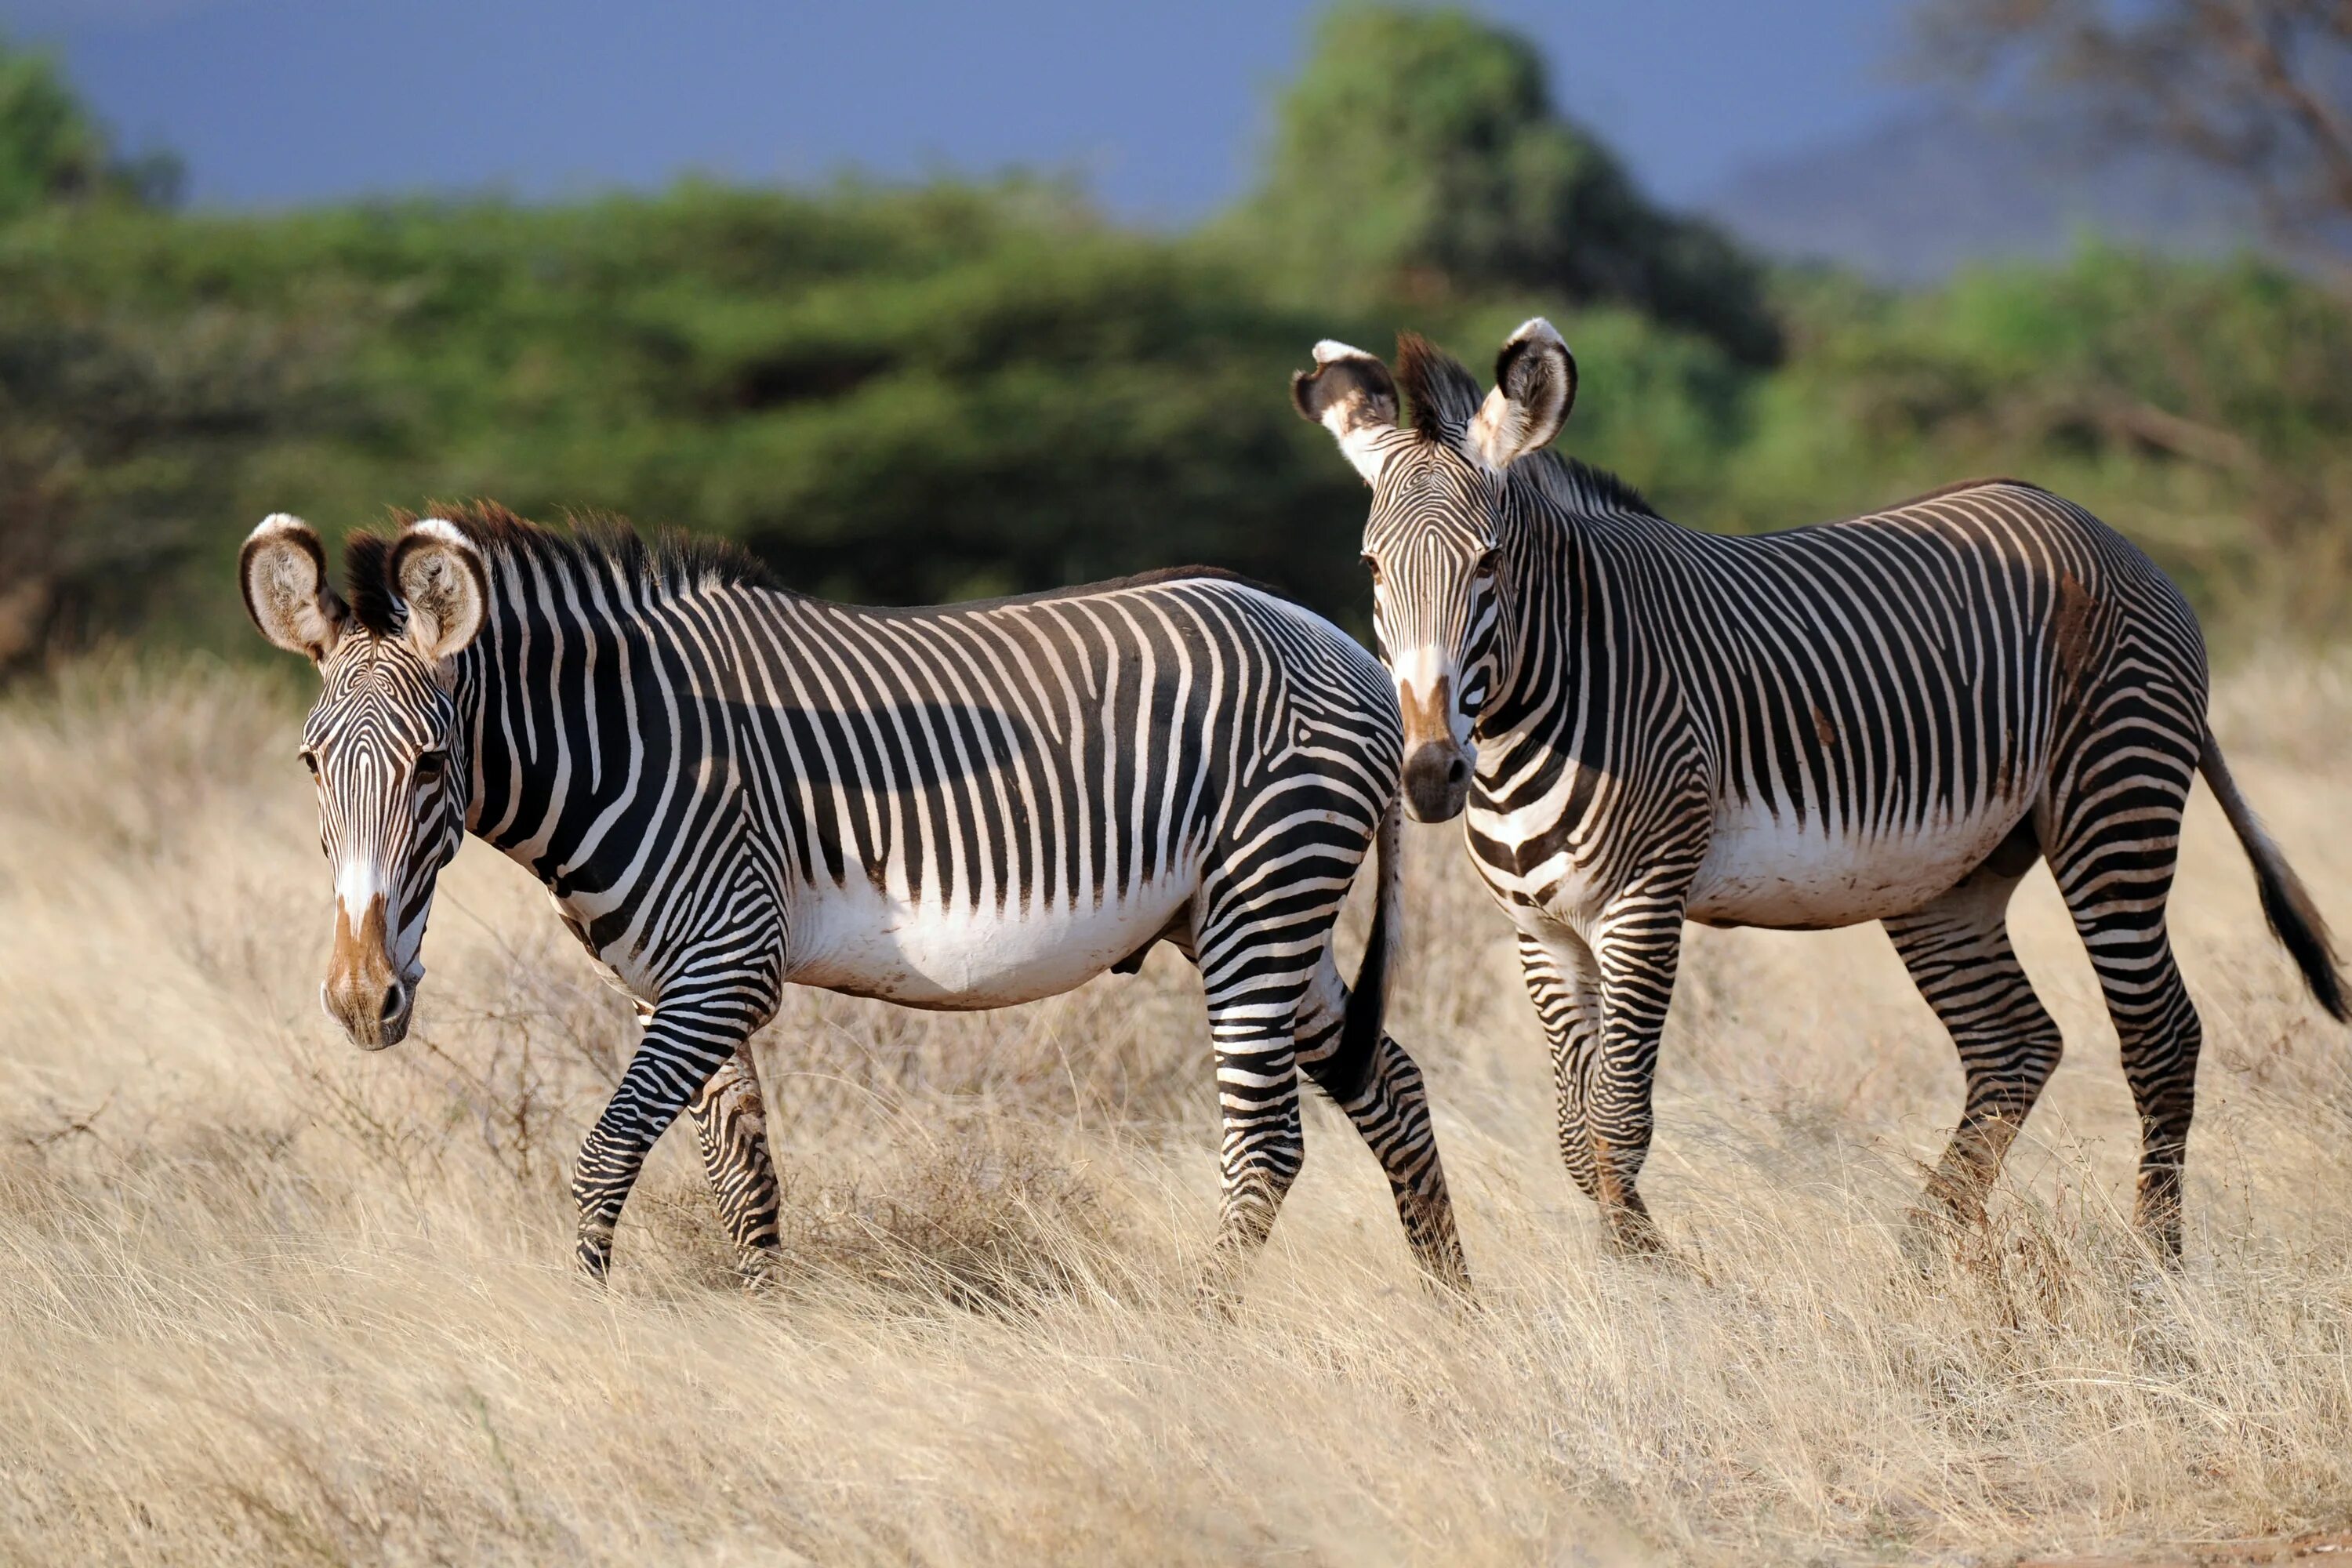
1159	109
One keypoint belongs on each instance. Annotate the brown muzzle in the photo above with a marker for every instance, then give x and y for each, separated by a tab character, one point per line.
363	993
1436	770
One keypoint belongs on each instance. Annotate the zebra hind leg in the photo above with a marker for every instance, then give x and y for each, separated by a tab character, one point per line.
730	1126
1380	1090
2116	876
1254	986
1960	955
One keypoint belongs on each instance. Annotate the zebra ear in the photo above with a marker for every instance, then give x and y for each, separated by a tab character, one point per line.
1535	386
1350	393
438	573
283	569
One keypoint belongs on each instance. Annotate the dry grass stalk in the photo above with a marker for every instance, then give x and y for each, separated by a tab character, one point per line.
264	1297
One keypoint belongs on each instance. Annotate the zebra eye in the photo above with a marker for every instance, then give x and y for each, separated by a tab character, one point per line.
1487	561
1371	565
311	760
429	766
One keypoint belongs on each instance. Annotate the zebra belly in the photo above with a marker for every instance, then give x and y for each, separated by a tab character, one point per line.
866	942
1766	871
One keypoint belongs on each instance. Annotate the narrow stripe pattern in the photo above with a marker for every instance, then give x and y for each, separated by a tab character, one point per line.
728	788
1891	718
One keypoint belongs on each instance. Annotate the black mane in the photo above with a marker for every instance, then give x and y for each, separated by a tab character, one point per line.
1444	398
672	561
1598	485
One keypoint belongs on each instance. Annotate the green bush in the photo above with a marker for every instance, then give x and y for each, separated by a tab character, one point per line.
915	395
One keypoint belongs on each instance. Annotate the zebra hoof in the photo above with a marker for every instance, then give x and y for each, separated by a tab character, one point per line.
760	1271
593	1259
1452	1286
1926	1241
1633	1234
1217	1297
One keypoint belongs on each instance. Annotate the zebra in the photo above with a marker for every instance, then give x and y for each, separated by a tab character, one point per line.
727	787
1891	718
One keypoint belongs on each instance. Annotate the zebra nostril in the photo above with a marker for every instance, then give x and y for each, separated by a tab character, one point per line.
1456	772
396	999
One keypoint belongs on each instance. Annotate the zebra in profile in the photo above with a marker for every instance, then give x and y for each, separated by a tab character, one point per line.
728	788
1891	718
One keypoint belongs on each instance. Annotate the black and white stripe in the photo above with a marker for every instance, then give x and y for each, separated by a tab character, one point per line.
1890	719
730	788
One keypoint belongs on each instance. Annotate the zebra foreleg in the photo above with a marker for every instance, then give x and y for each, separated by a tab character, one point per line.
730	1125
1637	949
1564	984
689	1039
1383	1095
1958	953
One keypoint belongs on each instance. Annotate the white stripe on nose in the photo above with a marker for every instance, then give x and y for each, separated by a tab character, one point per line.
356	882
1417	669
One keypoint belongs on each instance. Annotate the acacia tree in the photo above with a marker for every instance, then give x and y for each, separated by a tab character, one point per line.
52	149
1419	155
2260	89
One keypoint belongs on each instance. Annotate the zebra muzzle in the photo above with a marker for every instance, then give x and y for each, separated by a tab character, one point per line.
364	991
1436	780
1436	765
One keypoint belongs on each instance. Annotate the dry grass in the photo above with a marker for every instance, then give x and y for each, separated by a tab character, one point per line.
264	1297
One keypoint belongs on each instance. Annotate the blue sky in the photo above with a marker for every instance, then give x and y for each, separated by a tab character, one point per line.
1157	109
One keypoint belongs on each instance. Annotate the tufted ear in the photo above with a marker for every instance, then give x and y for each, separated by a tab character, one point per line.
437	571
1535	386
283	569
1350	393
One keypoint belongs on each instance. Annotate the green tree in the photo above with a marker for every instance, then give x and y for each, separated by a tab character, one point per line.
52	149
1419	157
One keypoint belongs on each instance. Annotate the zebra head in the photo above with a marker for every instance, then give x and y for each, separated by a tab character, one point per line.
383	741
1434	541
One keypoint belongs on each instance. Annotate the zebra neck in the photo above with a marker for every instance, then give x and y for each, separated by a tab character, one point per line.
1563	636
575	698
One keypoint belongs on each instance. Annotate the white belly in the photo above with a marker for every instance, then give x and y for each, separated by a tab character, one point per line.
869	942
1763	870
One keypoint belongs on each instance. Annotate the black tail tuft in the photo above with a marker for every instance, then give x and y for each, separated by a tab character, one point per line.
2306	937
2286	902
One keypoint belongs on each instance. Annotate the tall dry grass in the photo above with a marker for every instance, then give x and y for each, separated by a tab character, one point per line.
263	1297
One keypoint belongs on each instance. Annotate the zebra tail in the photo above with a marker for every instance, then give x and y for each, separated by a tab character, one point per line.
2295	918
1360	1031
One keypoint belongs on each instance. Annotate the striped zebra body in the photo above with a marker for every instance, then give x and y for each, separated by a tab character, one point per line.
1891	718
728	788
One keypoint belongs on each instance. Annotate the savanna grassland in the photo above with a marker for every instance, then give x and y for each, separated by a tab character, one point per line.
262	1295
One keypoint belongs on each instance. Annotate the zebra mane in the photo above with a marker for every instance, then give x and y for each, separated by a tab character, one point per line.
671	562
367	582
1444	397
1443	394
1575	486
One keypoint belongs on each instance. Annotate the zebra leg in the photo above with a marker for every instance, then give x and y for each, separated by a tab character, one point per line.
730	1125
1958	953
1637	948
1380	1090
1564	984
2161	1038
2111	822
1253	992
691	1037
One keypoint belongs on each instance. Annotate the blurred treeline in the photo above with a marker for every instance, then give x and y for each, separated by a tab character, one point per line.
910	395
